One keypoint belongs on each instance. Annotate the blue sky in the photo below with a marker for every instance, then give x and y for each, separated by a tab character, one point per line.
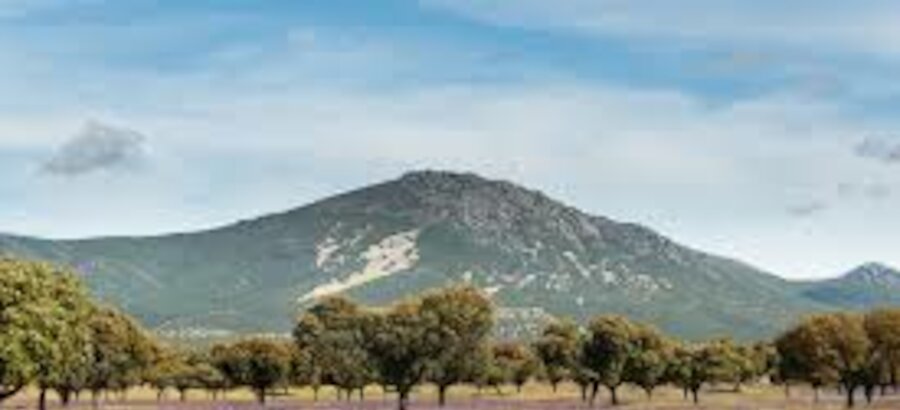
762	130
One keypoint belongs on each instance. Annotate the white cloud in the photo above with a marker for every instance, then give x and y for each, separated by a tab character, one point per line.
97	147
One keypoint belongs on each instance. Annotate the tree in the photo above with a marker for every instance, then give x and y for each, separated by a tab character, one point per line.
303	371
557	348
883	329
835	345
492	373
230	364
463	317
517	362
161	374
693	366
647	366
121	352
582	375
610	343
680	371
308	361
746	366
584	378
765	358
848	346
43	332
401	345
182	371
726	362
439	335
259	364
800	359
208	377
333	332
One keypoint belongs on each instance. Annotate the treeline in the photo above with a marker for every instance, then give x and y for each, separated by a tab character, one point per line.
53	337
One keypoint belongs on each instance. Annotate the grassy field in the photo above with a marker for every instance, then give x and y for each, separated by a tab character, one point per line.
534	397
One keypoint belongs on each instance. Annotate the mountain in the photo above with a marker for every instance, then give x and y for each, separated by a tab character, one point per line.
869	285
536	256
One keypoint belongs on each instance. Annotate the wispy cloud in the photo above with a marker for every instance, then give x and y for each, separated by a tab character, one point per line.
823	25
95	148
879	149
807	209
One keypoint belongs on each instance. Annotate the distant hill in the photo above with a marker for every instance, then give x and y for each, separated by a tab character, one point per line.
867	286
536	256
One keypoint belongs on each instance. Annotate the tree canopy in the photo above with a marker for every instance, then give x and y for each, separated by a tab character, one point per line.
43	332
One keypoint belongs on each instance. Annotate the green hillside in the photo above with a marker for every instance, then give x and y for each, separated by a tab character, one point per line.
534	255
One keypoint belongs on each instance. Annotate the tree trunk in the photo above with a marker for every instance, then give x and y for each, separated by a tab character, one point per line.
595	388
686	392
403	400
442	395
316	393
555	386
614	398
159	394
869	391
584	392
518	388
816	394
261	396
649	392
182	395
695	392
851	396
42	399
65	397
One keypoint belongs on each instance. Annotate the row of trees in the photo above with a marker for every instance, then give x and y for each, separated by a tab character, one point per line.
54	337
443	338
847	350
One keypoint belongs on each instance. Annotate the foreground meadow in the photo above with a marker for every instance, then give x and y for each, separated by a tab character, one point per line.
533	397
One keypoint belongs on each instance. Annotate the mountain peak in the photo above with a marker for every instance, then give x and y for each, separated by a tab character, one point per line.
470	199
875	273
435	182
433	175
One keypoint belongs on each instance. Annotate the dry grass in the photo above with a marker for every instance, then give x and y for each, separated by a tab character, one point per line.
534	397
